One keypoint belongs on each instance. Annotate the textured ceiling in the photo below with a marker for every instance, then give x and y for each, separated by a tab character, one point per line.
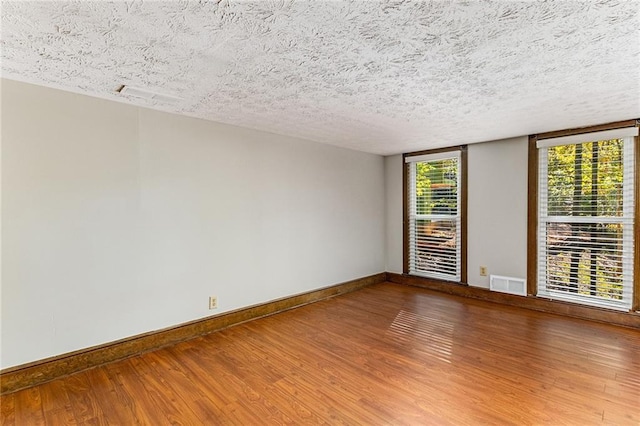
377	76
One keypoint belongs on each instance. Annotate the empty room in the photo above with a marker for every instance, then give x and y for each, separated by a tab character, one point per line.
376	212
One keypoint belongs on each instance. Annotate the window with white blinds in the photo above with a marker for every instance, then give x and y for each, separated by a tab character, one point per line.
434	215
586	218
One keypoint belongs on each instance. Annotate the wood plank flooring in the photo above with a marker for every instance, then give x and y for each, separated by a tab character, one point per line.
386	354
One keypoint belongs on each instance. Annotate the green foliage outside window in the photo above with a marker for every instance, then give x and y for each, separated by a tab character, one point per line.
566	197
436	187
585	180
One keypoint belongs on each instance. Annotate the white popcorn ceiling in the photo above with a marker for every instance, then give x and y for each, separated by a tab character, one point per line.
377	76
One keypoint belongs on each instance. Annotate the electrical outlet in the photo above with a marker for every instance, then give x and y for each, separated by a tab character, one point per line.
483	271
213	302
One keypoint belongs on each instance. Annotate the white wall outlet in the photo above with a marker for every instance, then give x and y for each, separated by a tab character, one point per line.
483	271
213	302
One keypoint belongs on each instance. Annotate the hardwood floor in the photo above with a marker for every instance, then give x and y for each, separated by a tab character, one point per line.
386	354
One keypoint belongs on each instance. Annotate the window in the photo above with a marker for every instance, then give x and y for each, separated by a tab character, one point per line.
434	219
586	217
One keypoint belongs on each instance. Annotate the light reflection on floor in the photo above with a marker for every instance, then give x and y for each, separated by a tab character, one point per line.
423	334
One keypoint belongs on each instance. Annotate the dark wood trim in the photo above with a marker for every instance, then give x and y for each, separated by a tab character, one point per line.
636	227
28	375
532	219
625	319
463	206
464	164
434	151
589	129
405	216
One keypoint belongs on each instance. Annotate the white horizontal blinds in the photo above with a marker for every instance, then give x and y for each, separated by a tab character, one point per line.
434	215
585	235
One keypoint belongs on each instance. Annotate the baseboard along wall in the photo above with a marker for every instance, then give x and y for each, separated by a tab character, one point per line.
625	319
32	374
35	373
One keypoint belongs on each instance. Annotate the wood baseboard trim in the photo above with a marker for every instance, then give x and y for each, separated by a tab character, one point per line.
38	372
625	319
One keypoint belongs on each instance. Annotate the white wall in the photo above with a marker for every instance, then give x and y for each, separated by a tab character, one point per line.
393	170
497	210
118	220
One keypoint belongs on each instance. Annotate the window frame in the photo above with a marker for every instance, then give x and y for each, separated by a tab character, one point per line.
533	219
462	149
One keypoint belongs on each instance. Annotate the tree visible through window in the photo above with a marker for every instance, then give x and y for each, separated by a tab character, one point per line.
586	222
434	215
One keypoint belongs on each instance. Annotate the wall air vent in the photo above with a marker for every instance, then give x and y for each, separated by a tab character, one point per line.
508	285
146	94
